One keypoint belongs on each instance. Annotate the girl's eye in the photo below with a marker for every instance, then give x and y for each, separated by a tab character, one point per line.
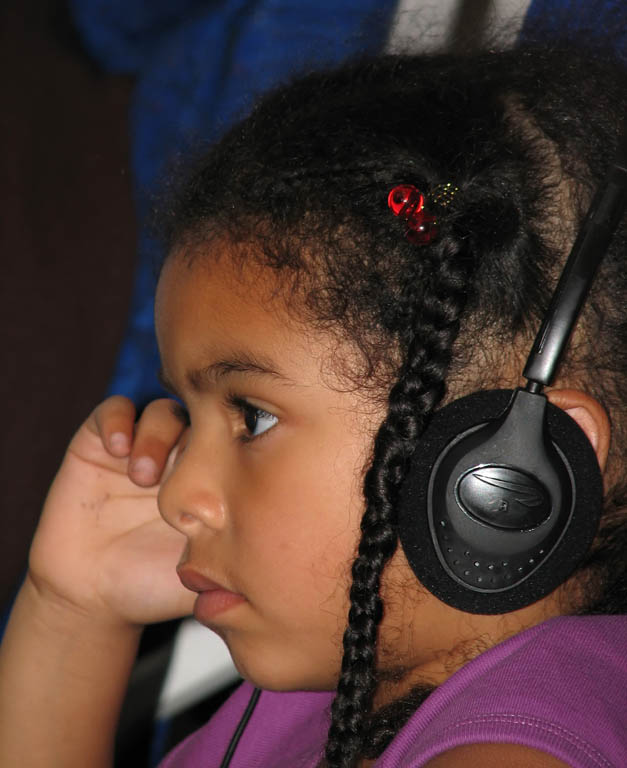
256	420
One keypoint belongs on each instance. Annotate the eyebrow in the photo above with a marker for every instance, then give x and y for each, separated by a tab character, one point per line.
244	363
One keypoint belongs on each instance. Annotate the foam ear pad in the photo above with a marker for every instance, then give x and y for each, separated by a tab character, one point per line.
471	556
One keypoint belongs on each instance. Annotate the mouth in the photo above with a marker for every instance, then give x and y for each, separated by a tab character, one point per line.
213	599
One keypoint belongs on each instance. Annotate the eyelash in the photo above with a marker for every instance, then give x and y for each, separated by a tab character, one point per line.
242	407
237	404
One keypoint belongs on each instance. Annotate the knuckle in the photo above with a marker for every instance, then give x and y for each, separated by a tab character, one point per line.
159	414
119	401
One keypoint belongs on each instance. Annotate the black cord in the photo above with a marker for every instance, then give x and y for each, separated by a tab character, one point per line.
241	726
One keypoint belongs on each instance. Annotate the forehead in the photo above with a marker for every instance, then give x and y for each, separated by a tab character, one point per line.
208	309
215	285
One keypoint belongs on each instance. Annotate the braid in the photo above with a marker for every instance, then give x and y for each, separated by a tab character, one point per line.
419	388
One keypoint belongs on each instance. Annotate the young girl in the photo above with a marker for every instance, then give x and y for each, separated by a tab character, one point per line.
369	246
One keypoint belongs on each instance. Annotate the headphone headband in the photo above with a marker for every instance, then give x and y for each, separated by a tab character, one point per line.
503	498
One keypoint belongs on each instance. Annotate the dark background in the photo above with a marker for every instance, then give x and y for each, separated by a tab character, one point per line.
67	253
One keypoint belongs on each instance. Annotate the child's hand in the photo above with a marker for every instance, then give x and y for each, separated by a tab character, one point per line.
101	546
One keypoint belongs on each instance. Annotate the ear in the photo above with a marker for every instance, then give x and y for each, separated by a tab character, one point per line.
589	415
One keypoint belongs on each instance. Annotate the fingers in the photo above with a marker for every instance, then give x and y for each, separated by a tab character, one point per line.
147	443
156	433
114	421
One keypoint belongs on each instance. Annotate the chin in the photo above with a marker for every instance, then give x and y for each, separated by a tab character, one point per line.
278	673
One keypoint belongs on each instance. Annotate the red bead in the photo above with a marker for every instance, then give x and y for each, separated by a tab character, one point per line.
407	202
405	199
424	233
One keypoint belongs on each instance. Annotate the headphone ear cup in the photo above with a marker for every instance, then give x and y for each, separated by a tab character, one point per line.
537	514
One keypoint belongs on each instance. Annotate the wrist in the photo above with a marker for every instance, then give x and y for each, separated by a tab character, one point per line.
52	614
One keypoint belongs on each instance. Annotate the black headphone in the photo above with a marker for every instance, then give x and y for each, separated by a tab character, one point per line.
503	496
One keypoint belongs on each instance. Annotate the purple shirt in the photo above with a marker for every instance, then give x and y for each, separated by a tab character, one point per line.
560	687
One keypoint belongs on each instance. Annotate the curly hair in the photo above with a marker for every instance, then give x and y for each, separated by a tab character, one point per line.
301	186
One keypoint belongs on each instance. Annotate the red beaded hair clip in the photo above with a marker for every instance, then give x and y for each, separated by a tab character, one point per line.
408	202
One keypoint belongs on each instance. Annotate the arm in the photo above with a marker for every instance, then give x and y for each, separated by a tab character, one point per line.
63	678
101	566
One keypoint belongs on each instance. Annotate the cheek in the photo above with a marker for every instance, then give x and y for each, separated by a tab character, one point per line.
324	490
307	509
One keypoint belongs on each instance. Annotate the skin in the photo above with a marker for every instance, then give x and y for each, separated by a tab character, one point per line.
266	517
274	518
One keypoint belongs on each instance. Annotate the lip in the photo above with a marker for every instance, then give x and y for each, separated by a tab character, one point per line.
212	599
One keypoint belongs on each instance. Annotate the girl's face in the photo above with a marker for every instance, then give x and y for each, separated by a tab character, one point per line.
266	486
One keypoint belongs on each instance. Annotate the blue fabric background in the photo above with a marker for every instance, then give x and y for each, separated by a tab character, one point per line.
199	66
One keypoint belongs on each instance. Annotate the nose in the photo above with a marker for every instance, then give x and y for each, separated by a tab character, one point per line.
190	498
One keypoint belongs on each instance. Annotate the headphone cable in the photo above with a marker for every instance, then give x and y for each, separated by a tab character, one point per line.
241	726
